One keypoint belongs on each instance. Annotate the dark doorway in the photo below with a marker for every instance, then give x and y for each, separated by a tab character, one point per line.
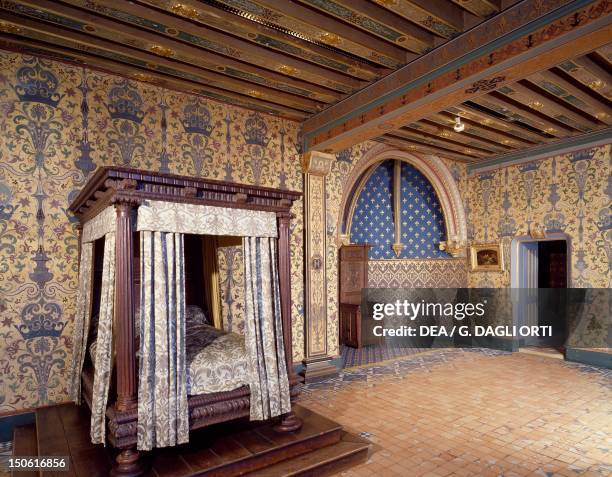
552	264
552	274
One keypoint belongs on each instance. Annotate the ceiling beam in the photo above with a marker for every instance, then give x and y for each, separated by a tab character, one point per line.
414	146
445	138
33	47
424	18
446	12
600	74
377	21
482	8
555	148
322	28
555	82
257	33
486	120
436	142
205	38
515	109
536	39
481	131
78	41
538	100
469	137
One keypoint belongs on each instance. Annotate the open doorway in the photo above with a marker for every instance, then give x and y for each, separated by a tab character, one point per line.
538	268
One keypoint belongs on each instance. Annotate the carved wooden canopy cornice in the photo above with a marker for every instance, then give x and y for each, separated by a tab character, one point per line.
111	185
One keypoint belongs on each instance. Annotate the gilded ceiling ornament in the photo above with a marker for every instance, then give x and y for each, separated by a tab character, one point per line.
536	104
330	39
185	11
287	70
143	77
597	84
162	50
550	130
601	115
9	28
255	94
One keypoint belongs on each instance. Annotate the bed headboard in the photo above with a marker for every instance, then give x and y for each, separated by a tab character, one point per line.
120	184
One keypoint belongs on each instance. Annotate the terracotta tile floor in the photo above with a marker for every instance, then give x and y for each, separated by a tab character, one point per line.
471	413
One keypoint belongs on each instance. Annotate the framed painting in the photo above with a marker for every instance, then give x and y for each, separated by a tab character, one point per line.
486	257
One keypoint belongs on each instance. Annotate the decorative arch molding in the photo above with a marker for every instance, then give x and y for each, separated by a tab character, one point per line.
436	172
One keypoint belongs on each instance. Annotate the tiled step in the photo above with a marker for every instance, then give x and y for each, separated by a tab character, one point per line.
24	444
350	451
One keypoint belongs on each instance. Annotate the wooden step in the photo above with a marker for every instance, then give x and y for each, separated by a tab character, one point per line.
24	444
241	450
64	431
350	451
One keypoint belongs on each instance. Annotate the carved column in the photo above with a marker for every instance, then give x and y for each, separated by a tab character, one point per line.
316	166
127	385
397	207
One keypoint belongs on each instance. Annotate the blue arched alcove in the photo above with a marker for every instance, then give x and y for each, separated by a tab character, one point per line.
421	217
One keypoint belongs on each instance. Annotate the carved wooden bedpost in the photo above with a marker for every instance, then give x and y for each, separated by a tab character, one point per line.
127	462
289	422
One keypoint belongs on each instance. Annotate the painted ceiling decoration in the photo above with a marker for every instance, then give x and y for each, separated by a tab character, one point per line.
352	70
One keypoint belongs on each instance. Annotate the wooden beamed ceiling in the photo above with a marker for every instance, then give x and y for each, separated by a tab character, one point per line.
290	58
550	105
337	65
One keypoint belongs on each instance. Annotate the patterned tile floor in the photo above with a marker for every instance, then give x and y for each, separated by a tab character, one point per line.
374	354
474	413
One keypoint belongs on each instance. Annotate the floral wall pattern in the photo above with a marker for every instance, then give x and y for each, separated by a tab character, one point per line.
58	123
569	193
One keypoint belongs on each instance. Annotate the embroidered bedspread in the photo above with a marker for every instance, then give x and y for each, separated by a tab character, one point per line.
216	360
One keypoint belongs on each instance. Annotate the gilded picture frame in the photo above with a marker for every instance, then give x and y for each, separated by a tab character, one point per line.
486	257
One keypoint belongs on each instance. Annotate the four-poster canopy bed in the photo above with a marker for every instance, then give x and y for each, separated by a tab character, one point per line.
131	363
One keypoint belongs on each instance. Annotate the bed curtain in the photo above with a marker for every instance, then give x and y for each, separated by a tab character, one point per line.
104	348
102	225
82	317
269	385
163	411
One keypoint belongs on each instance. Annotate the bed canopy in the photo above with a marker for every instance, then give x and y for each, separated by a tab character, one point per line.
140	347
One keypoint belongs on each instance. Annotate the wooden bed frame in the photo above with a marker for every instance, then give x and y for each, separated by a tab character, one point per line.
126	189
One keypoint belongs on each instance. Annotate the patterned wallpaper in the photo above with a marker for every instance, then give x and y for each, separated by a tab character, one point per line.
422	221
569	193
441	273
57	124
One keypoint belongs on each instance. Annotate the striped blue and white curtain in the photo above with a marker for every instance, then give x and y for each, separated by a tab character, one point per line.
269	384
163	412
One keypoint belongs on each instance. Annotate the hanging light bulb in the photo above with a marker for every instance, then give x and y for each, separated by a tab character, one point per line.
459	126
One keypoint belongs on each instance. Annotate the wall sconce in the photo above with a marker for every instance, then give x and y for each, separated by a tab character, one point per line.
459	126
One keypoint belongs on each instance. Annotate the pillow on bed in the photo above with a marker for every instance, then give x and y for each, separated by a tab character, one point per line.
195	316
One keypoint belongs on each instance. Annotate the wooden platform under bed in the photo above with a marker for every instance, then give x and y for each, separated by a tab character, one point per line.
321	447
